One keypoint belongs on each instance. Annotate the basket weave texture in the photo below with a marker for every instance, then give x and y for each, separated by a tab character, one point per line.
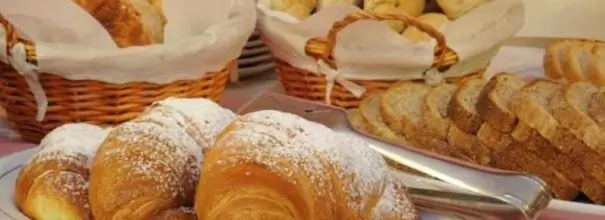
312	86
88	101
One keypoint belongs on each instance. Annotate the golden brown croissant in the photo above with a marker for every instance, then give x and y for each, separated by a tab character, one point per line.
54	183
129	22
148	168
274	165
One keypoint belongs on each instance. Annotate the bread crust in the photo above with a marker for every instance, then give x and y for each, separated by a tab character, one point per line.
461	109
563	163
128	22
434	109
595	68
531	106
492	104
570	108
511	154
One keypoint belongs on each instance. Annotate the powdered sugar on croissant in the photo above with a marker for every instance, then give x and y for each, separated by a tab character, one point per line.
270	163
56	178
149	167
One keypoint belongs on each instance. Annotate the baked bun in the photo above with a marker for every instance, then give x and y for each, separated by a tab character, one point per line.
53	184
300	9
455	9
413	8
324	3
436	20
129	22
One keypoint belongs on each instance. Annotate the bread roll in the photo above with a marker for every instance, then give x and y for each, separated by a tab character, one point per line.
413	8
436	20
455	9
300	9
129	22
324	3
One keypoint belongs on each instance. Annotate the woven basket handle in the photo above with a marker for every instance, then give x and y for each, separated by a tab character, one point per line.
321	48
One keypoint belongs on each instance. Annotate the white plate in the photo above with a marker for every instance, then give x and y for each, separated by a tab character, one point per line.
11	165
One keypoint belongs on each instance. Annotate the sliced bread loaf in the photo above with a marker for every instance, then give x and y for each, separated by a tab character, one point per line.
492	104
434	109
469	145
461	108
531	105
400	107
563	163
570	108
370	110
509	154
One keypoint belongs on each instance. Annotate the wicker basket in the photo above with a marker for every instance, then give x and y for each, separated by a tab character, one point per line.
88	101
312	86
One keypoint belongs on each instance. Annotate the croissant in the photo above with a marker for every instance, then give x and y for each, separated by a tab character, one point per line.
274	165
53	184
148	168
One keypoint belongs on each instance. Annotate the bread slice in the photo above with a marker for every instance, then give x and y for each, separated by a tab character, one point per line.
370	111
469	145
461	108
595	68
434	109
492	104
409	114
510	154
563	163
531	105
574	60
400	107
596	107
553	55
357	120
570	108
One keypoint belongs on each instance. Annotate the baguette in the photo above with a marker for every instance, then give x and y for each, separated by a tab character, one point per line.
462	109
574	61
531	105
129	22
595	67
553	56
570	108
492	104
434	109
509	154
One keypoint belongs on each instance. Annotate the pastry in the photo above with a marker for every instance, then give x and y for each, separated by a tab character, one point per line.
274	165
53	184
149	167
436	20
129	22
